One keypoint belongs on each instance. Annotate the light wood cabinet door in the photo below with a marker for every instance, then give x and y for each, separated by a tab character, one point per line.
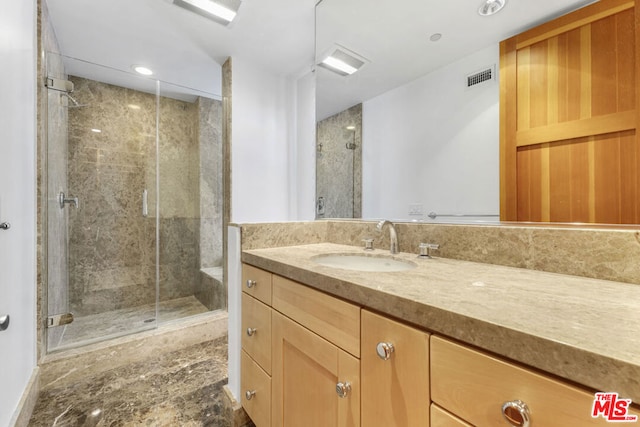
306	369
395	392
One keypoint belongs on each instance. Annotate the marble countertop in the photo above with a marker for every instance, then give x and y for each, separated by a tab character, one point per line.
584	330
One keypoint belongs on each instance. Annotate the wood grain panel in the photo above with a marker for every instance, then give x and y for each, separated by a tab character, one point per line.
441	418
574	136
474	385
333	319
566	23
395	392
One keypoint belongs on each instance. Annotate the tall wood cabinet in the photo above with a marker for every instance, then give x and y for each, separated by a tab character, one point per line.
569	148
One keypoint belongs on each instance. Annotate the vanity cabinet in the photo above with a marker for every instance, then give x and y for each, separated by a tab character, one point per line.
395	373
311	359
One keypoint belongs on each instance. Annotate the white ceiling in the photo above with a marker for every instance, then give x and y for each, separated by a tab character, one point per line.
181	47
278	35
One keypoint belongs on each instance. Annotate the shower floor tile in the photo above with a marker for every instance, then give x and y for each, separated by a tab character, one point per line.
97	327
178	388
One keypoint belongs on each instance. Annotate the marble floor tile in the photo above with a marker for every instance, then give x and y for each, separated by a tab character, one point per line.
179	388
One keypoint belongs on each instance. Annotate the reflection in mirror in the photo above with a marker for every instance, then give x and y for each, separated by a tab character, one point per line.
430	141
339	165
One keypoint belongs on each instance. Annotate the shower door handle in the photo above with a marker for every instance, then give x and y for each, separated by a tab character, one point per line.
145	204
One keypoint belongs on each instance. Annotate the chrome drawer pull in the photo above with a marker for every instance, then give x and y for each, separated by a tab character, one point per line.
251	283
249	394
516	413
384	350
251	331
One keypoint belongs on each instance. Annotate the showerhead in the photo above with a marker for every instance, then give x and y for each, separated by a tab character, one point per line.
75	103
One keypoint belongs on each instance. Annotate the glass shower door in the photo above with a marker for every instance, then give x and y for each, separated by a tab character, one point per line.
102	222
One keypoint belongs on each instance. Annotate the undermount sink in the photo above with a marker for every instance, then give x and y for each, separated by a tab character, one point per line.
364	262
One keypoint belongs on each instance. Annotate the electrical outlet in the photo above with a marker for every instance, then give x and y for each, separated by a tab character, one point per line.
416	209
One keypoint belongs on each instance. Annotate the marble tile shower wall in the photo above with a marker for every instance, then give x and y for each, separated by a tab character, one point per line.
112	246
336	181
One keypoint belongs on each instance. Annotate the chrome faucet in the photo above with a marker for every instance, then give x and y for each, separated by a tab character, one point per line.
393	236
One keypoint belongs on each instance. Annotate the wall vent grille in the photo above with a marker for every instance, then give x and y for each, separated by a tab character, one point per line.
485	75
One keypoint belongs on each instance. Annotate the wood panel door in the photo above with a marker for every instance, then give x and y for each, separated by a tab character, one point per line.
395	391
568	100
305	372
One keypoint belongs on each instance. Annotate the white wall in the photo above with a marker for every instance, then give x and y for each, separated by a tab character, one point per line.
262	110
435	143
304	158
17	200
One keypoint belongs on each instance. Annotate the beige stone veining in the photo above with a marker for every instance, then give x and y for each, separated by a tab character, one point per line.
584	330
596	252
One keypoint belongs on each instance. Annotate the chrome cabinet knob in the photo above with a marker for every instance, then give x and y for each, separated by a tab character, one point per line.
384	350
249	394
5	226
251	283
516	412
251	331
343	389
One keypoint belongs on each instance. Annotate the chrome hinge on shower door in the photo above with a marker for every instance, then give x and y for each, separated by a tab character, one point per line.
59	319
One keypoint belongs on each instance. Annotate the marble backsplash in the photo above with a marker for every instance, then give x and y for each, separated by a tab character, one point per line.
608	253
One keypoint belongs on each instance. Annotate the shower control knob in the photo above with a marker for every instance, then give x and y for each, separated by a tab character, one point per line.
251	283
5	226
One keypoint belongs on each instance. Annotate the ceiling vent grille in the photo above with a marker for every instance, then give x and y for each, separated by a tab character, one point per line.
486	75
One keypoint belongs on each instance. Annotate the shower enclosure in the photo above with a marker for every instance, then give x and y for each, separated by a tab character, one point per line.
339	165
133	206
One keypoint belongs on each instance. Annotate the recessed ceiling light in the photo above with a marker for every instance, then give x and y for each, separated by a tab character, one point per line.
142	70
342	61
221	11
435	37
490	7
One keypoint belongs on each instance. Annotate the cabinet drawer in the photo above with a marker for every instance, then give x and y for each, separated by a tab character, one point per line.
441	418
256	331
257	283
474	386
256	384
335	320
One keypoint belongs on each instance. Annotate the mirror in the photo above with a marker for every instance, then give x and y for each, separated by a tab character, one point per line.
428	141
